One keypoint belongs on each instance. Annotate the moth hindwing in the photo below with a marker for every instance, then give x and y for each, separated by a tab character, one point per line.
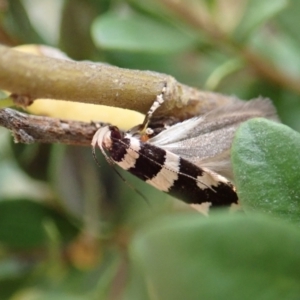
189	160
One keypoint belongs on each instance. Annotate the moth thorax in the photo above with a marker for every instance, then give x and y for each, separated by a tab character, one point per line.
145	136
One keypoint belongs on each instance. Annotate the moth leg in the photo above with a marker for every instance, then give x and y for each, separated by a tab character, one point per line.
156	104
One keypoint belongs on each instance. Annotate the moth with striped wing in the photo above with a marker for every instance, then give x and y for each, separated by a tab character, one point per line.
189	160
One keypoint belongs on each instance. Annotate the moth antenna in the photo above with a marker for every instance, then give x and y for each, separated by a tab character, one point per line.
156	104
111	162
95	157
132	187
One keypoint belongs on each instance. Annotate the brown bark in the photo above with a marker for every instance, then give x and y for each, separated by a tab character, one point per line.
36	129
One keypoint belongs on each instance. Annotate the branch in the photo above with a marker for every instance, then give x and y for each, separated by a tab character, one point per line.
35	129
45	77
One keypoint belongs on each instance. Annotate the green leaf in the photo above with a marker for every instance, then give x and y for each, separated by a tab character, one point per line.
222	257
77	17
278	49
256	13
33	159
137	33
5	101
17	22
75	181
22	223
288	18
266	164
13	274
40	294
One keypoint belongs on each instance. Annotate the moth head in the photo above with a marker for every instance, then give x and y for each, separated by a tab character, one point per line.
103	138
115	134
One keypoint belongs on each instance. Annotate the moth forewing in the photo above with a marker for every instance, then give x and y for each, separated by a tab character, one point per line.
189	160
165	170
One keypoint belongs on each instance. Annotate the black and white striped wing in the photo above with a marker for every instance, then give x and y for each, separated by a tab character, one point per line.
164	170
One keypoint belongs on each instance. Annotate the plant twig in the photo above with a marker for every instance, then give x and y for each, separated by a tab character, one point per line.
34	77
36	129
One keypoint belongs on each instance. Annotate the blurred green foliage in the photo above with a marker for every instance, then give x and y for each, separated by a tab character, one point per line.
69	230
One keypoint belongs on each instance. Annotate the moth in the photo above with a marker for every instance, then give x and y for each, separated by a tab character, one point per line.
189	160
